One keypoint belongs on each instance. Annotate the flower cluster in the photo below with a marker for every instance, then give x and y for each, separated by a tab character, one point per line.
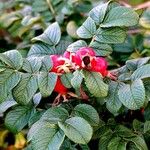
83	58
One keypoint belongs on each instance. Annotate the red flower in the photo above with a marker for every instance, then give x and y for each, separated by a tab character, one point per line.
99	64
60	88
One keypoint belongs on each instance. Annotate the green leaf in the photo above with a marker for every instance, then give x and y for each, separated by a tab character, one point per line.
132	96
88	113
113	103
146	126
55	114
101	49
144	19
139	142
77	129
77	79
36	116
88	29
95	84
18	118
46	83
41	49
47	63
104	140
98	13
45	136
62	46
137	125
126	47
110	35
66	79
76	45
133	64
9	102
120	16
147	89
116	144
124	132
31	64
67	145
141	73
51	35
26	89
8	80
12	58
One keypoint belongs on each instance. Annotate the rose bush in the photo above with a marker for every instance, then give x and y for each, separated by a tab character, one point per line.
64	96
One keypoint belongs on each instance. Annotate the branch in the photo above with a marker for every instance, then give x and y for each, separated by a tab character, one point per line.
142	6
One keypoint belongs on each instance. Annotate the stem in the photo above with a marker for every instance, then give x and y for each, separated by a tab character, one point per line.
135	31
51	7
142	6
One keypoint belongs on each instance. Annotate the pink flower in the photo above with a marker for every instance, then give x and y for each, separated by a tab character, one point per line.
99	64
83	57
57	62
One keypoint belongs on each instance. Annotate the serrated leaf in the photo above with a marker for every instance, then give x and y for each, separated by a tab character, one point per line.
136	63
77	129
110	35
55	114
139	142
76	79
147	89
62	46
98	13
46	136
46	83
116	144
51	35
141	73
37	98
76	45
18	118
144	19
12	58
132	96
9	102
8	80
88	29
101	49
31	64
124	132
26	88
146	126
95	84
120	16
66	79
47	63
104	140
41	49
88	113
113	103
138	125
126	47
